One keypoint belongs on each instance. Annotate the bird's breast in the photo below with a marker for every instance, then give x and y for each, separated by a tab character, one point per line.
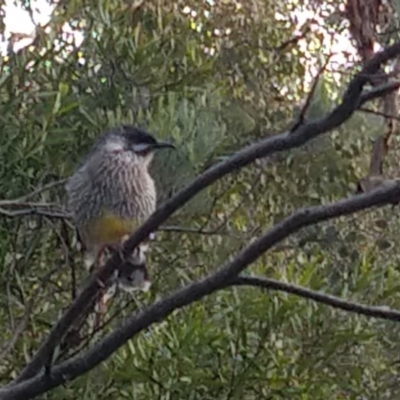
116	198
110	228
138	195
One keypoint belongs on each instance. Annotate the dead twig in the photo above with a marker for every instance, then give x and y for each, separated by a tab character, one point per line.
24	198
380	113
302	116
23	212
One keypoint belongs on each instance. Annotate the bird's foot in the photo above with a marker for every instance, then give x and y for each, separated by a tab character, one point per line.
133	277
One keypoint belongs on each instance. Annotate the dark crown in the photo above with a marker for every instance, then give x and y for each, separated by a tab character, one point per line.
137	135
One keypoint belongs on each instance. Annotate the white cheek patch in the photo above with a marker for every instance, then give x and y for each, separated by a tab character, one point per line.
138	148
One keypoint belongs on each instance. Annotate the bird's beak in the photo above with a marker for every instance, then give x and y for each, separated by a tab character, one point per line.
164	145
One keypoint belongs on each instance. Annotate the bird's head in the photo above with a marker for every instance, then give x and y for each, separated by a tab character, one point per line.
136	142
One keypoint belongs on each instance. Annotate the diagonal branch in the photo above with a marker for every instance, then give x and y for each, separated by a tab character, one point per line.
23	199
222	278
352	99
333	301
379	91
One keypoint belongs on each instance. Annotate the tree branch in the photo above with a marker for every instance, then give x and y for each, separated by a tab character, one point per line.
302	117
379	113
333	301
352	99
379	91
24	198
222	278
23	212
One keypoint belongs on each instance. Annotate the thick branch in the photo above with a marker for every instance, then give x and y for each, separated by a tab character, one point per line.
333	301
222	278
351	100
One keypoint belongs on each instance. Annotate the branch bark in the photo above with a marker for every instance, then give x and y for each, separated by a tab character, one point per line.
323	298
352	99
365	18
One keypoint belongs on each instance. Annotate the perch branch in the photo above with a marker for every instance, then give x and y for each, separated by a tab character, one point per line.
323	298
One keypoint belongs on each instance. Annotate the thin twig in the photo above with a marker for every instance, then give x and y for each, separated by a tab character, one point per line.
380	113
23	212
8	346
184	229
32	204
294	40
302	116
381	312
379	91
24	198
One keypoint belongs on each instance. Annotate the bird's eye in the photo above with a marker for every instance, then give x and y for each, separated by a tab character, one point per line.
142	148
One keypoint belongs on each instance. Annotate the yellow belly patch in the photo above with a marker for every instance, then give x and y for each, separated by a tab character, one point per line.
110	229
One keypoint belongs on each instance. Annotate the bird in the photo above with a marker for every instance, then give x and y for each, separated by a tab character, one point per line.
111	193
